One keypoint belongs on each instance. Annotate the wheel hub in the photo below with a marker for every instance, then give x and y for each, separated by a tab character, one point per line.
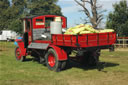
51	60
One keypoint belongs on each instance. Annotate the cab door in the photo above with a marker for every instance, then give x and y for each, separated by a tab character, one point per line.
29	30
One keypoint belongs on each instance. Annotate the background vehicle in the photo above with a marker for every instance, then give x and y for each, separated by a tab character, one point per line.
8	35
48	43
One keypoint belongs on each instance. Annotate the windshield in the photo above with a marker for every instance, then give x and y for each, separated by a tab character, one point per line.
47	21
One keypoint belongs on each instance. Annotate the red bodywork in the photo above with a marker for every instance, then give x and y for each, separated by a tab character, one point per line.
64	22
85	40
62	55
59	40
21	47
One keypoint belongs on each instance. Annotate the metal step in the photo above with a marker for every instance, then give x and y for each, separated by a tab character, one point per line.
43	46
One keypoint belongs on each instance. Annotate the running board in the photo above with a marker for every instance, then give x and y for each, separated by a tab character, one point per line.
43	46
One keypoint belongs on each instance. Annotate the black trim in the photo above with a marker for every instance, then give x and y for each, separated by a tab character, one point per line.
77	44
25	39
87	39
71	40
108	37
32	29
33	16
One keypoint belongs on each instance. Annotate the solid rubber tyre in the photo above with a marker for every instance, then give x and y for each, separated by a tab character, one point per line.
18	55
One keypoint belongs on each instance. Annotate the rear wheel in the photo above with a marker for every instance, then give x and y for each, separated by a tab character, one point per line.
18	55
52	61
91	58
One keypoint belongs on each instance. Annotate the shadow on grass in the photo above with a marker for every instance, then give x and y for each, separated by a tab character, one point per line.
28	59
99	67
34	59
75	64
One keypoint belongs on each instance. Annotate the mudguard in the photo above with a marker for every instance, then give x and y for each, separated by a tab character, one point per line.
20	44
62	55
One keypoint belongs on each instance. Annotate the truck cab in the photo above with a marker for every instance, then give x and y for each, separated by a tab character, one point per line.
35	26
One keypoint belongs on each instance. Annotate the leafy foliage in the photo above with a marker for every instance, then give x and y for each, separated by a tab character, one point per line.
118	19
39	7
4	4
15	12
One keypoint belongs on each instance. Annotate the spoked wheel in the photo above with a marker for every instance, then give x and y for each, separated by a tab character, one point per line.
52	61
18	55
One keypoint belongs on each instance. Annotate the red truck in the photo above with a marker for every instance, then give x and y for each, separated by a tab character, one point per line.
54	49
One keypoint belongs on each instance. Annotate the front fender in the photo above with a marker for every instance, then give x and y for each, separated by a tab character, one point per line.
62	55
20	44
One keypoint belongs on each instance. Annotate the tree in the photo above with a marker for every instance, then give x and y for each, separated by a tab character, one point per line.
15	12
19	5
39	7
94	16
118	19
4	4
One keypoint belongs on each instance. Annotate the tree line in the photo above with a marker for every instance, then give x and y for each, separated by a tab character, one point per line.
11	11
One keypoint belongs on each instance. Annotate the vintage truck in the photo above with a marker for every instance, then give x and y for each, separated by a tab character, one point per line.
48	43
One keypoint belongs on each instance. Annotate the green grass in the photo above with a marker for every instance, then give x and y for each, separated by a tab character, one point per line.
13	72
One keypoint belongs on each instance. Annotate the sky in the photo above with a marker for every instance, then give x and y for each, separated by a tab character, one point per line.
70	9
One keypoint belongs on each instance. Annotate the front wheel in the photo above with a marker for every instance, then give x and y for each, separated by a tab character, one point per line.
52	61
18	55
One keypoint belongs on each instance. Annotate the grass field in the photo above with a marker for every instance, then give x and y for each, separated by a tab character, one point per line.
13	72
